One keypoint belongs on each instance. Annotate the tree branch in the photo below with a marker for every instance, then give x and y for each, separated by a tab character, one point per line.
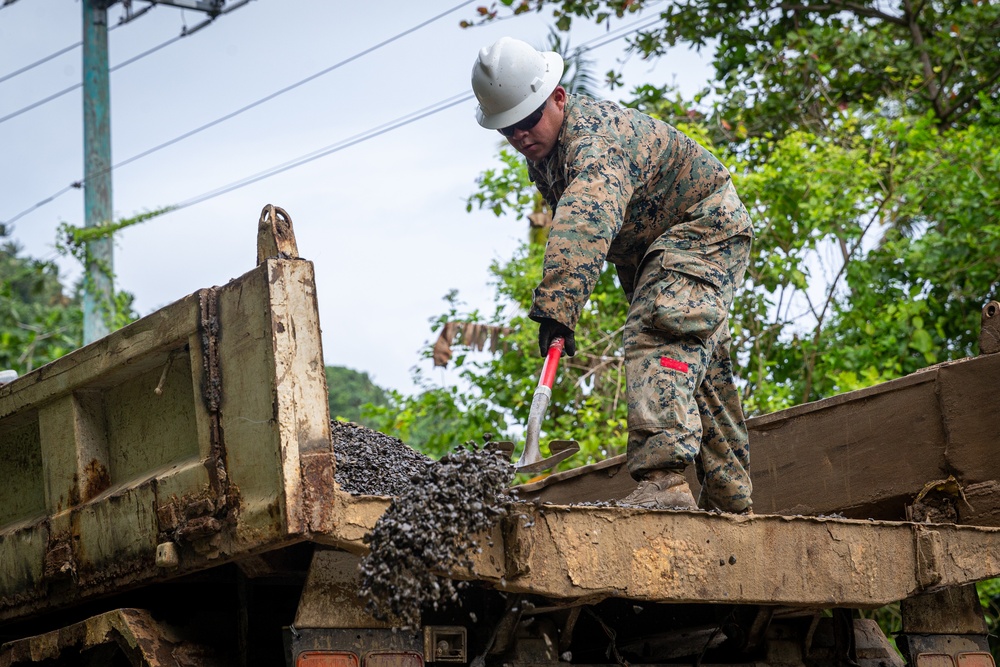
918	41
967	97
838	5
811	363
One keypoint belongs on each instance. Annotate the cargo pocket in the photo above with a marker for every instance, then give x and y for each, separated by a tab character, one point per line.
684	295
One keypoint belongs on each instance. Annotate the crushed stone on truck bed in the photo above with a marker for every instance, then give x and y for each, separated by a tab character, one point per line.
370	463
430	527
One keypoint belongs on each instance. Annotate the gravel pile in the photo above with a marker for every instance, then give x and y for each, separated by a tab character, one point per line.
430	528
373	464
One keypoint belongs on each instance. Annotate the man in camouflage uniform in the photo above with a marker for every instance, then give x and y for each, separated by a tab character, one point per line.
632	190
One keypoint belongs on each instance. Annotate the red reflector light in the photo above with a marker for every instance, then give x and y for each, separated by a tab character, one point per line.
395	659
976	659
327	659
934	660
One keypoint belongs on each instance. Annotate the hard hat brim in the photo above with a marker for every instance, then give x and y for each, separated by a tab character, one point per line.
553	73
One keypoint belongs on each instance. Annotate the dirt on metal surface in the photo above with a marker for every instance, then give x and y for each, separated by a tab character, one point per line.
430	527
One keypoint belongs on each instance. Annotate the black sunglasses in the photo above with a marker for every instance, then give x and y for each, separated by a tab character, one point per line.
526	124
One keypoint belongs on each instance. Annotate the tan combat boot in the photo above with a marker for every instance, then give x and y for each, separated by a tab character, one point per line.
662	489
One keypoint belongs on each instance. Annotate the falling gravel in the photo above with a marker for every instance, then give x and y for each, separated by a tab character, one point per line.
430	528
373	464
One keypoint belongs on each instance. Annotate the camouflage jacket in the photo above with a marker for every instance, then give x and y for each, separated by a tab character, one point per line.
623	184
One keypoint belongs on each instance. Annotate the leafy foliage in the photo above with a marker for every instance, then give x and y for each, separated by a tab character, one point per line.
506	189
350	392
794	63
898	223
75	241
38	321
845	287
989	598
862	137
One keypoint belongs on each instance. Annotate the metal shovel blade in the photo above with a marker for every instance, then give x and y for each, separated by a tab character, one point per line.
559	450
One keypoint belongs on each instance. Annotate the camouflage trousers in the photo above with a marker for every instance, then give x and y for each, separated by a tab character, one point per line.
683	405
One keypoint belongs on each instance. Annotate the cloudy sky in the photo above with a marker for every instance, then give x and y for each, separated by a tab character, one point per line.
384	220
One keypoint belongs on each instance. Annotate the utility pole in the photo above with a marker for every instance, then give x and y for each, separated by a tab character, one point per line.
98	294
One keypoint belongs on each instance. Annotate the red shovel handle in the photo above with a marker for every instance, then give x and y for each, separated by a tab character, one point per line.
551	363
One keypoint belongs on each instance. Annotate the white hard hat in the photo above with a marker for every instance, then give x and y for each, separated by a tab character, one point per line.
511	79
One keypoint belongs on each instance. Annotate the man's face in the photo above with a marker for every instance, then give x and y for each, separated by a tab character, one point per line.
539	141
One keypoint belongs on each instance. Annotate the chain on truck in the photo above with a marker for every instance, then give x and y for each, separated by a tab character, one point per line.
169	499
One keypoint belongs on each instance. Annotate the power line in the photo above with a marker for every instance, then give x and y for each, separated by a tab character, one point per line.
379	130
221	119
55	195
41	61
328	150
356	139
184	33
268	98
67	49
77	86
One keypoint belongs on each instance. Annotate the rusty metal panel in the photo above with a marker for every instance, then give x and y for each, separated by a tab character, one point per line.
74	444
953	611
115	537
970	405
302	410
330	595
701	557
202	428
22	555
162	421
275	411
581	552
860	453
22	495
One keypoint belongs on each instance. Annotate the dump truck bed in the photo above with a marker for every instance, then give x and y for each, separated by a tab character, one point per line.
866	454
199	435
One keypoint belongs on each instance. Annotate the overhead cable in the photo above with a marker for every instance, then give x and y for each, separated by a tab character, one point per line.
328	150
69	48
41	61
282	91
378	131
185	32
594	43
221	119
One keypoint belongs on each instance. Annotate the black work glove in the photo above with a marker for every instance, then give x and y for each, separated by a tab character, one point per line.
549	330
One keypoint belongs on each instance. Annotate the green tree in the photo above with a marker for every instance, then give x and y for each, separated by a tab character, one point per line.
783	64
876	249
862	138
41	320
38	321
350	391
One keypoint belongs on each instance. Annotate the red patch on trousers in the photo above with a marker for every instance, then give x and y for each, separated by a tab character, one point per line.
667	362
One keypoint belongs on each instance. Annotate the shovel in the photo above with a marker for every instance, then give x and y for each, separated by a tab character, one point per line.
531	457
